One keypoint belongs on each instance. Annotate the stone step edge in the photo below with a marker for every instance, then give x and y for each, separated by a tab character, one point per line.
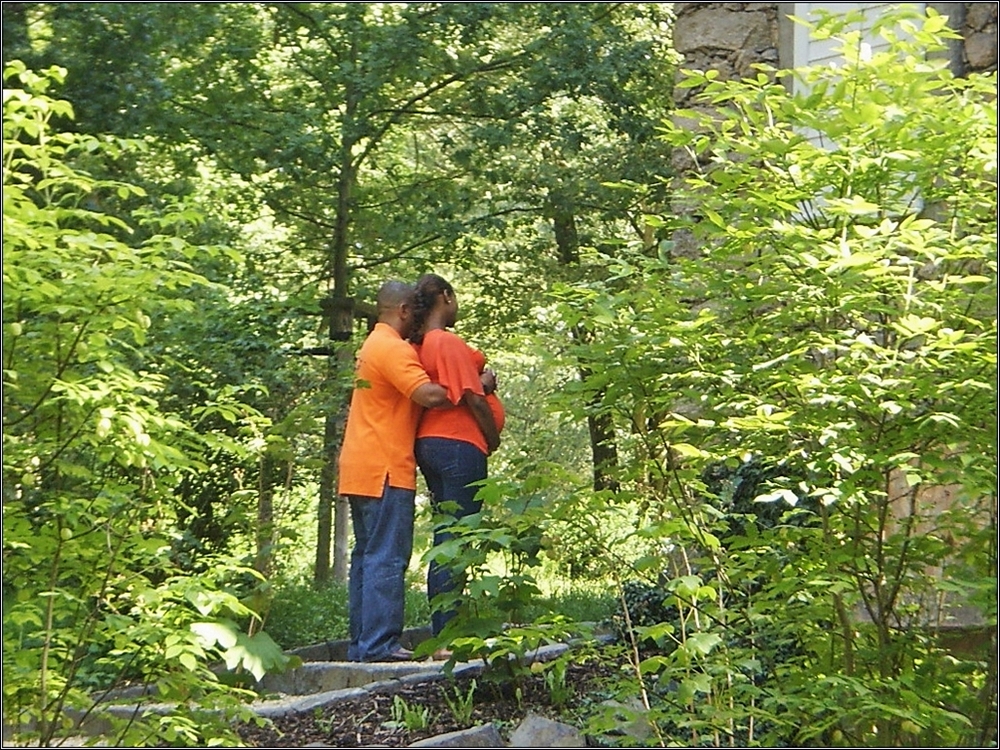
285	705
291	705
91	725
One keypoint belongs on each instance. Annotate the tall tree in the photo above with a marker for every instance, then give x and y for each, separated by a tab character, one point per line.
370	127
395	136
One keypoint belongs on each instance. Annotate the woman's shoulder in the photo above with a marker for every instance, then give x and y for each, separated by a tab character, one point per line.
443	345
442	337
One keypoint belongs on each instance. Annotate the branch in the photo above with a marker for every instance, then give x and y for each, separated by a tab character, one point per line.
407	106
432	238
301	215
444	114
400	254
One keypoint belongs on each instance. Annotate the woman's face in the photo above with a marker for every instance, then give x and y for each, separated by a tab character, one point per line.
451	307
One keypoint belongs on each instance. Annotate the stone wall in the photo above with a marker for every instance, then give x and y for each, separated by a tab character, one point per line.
979	32
730	37
727	37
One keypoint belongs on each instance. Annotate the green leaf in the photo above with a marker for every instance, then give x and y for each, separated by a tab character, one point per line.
258	654
691	686
913	325
654	665
221	633
702	643
188	660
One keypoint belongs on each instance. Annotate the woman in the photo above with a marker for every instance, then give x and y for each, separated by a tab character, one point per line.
452	444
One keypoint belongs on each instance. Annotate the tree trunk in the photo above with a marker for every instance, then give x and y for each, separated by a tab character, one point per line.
324	511
265	514
603	448
340	309
332	519
343	361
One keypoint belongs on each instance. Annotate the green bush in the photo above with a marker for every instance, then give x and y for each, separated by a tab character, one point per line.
301	614
91	456
831	313
577	604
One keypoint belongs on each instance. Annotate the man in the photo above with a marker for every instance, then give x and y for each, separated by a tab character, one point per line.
378	475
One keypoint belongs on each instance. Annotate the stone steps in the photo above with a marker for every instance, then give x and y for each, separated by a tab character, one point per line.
321	683
325	678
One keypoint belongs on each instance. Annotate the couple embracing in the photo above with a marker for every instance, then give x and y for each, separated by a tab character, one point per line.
428	400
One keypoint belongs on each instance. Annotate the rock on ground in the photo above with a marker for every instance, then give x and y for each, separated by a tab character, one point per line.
537	731
481	736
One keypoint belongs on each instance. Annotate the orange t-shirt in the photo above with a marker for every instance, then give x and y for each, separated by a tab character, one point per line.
382	421
456	366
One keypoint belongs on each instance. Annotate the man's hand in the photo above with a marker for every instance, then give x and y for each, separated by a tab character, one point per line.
489	380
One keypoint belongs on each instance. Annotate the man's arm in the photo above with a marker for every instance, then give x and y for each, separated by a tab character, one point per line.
430	395
484	418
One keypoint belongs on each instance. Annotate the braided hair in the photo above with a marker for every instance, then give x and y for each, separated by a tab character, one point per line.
429	286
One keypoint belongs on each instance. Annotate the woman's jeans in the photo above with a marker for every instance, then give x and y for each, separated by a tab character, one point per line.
383	542
449	467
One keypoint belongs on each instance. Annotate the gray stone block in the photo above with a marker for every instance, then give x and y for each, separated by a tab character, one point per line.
430	675
301	703
537	731
716	29
322	676
337	650
481	736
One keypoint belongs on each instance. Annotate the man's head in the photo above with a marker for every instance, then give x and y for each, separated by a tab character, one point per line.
394	303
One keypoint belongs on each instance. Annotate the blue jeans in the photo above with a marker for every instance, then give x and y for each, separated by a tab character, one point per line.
449	466
383	542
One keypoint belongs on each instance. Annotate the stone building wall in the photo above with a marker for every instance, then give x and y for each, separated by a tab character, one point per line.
730	37
727	37
979	32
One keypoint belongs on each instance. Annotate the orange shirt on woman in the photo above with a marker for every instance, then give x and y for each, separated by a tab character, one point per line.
456	366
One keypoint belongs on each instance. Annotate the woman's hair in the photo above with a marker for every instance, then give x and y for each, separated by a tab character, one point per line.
429	286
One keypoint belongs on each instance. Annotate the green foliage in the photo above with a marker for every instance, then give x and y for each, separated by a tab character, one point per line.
495	552
301	612
555	680
827	314
410	718
791	370
92	596
507	651
461	705
589	604
459	134
506	529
